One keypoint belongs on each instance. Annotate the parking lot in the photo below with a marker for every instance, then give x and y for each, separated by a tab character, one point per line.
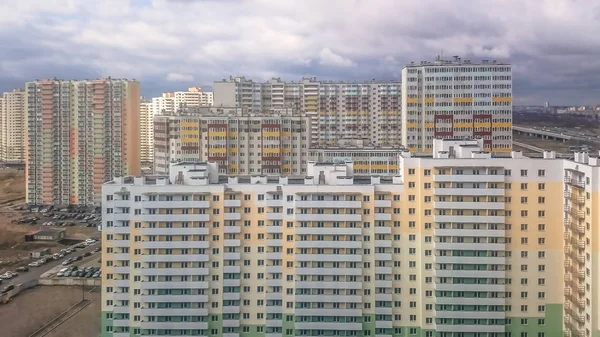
79	255
63	217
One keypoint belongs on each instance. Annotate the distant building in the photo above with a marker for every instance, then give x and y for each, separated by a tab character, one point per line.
172	102
457	99
367	110
146	131
12	126
79	135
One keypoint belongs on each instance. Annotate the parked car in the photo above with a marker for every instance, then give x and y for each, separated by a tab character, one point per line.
22	269
87	254
7	289
67	262
34	264
6	276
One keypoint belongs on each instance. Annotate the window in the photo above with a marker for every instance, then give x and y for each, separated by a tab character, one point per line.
523	173
541	173
541	186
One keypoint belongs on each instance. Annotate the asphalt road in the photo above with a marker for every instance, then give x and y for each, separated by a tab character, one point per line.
34	273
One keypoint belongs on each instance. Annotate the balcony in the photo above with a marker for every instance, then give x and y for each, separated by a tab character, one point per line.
328	204
175	312
329	244
232	216
470	273
383	203
232	203
469	246
471	178
175	298
274	202
468	191
176	231
328	217
174	244
231	229
175	204
173	325
469	219
383	216
175	285
327	231
468	205
469	232
174	271
580	183
172	217
174	258
274	216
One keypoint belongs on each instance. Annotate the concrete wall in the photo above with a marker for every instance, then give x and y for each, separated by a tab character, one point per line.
69	282
4	298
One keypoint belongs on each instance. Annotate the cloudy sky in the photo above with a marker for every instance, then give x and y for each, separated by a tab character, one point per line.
172	44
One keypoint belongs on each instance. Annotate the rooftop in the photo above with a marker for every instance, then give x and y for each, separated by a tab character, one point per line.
455	61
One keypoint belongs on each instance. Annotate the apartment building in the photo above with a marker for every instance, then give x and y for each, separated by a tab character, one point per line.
457	99
12	126
239	144
172	102
79	135
367	160
460	243
338	110
146	131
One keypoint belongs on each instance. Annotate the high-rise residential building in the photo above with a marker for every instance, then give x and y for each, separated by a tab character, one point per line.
338	110
12	126
457	99
239	144
79	135
461	242
367	160
146	132
172	102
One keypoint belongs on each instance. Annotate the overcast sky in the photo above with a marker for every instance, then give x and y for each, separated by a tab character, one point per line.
167	45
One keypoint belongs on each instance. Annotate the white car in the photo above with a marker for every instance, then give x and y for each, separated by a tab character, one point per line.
7	275
90	241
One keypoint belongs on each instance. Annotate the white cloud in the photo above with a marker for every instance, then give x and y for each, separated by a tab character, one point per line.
176	77
296	38
329	58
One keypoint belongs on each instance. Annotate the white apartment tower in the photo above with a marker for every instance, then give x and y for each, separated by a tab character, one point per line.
12	126
146	131
173	102
457	99
461	243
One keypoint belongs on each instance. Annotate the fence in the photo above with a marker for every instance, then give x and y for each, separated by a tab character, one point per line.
4	298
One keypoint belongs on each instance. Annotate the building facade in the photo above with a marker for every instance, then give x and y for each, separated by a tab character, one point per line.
239	144
79	135
146	132
459	243
172	102
367	111
457	99
12	126
367	160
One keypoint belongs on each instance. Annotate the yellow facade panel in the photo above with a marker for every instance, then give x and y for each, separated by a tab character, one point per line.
429	100
462	125
411	125
287	150
501	99
217	133
217	150
271	150
462	99
502	125
412	100
271	133
430	125
482	125
412	149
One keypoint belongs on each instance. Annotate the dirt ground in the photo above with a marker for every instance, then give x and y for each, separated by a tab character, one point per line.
90	316
33	308
13	248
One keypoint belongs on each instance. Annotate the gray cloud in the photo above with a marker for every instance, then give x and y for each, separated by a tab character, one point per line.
171	44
